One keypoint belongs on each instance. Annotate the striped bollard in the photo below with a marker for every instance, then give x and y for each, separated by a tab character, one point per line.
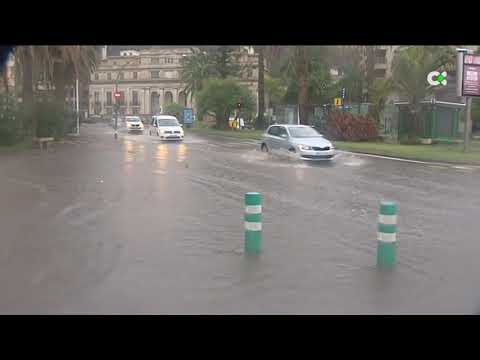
386	235
253	222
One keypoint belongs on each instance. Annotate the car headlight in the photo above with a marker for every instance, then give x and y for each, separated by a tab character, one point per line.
304	147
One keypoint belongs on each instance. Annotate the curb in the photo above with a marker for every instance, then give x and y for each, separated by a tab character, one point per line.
439	163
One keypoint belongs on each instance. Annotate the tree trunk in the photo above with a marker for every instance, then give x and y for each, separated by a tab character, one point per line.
302	78
59	83
260	123
27	91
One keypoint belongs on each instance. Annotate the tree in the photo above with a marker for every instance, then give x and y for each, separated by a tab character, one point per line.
275	89
24	57
224	61
410	69
219	97
379	92
260	123
175	110
196	68
68	62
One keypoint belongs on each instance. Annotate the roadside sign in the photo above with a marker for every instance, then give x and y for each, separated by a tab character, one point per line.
471	75
188	115
338	101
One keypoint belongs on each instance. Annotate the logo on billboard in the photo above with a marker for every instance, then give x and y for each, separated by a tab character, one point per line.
436	78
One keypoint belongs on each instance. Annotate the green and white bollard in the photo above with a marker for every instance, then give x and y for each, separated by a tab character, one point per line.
387	235
253	222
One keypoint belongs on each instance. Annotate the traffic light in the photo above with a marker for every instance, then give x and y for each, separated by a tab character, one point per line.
239	105
344	92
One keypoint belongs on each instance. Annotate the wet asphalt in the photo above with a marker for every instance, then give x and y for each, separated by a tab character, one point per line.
139	226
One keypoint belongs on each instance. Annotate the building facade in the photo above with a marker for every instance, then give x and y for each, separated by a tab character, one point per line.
147	80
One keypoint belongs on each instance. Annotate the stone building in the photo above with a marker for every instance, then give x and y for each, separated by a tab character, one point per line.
147	80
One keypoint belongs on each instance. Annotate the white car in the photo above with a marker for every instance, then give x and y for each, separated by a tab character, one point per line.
166	127
134	124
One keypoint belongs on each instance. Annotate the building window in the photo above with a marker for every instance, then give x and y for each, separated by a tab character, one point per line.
97	97
154	60
135	75
120	76
109	76
380	73
155	74
96	76
135	111
135	98
109	98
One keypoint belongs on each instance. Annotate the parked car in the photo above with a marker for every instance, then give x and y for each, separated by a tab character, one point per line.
134	124
166	127
303	140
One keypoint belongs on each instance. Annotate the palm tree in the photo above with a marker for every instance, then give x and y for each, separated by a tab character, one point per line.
195	69
68	62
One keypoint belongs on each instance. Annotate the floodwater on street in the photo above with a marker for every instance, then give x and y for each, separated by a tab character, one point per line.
139	226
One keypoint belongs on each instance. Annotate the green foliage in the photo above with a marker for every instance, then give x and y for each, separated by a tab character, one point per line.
275	89
379	93
10	121
175	110
220	96
209	62
411	66
195	69
51	120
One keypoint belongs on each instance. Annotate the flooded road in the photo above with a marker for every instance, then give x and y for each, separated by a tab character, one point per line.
139	226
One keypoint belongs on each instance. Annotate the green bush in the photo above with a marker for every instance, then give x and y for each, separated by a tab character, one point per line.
11	130
176	110
51	120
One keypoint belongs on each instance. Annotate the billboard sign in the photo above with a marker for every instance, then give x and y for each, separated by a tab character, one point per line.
188	115
471	75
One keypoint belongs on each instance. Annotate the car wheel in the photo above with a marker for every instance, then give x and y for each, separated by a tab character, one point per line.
264	148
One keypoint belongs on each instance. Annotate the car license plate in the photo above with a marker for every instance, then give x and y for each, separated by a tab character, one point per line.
318	153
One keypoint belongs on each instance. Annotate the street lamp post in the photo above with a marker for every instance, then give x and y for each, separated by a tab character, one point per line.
78	106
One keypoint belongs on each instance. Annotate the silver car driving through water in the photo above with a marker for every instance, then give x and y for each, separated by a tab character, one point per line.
303	140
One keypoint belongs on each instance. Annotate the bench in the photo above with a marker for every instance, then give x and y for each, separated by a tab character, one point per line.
43	142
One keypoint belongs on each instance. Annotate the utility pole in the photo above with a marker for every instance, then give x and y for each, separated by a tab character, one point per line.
468	100
78	106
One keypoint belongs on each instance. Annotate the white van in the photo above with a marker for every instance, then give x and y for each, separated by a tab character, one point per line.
166	127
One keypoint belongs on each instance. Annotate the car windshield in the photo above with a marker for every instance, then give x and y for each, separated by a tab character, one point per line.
133	119
303	132
167	122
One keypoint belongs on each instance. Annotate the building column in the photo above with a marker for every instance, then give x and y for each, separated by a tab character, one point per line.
175	96
103	102
162	98
147	103
128	100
